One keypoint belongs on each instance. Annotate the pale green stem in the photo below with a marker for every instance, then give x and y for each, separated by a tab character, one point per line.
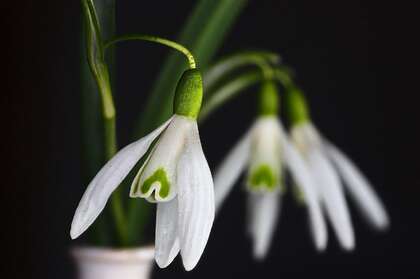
158	40
231	63
238	85
111	148
99	68
284	76
229	91
92	139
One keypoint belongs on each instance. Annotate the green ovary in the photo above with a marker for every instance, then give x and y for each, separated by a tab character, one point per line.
160	177
263	177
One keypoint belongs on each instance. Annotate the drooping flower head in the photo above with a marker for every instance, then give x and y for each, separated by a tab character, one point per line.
175	175
329	167
265	152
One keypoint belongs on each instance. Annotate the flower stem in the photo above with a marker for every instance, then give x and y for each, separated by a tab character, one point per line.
229	91
235	86
116	199
110	142
158	40
217	74
229	64
100	71
92	140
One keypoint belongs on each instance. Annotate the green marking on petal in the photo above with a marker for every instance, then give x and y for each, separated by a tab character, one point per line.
160	177
263	177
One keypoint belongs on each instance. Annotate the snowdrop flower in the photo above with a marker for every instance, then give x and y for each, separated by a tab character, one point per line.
327	165
265	151
175	175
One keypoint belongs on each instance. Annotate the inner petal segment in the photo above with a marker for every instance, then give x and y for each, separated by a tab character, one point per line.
158	182
263	177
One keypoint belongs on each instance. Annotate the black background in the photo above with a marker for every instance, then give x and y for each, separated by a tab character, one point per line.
334	48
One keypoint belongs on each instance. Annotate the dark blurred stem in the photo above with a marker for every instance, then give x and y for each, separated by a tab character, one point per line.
237	85
225	66
228	91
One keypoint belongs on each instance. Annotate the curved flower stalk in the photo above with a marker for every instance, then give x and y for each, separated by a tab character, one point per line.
232	88
266	152
225	66
327	164
175	175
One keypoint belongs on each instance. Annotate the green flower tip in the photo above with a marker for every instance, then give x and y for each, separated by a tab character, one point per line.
269	99
159	176
297	107
189	94
263	178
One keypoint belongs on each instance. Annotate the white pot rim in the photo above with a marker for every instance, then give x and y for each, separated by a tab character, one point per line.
125	255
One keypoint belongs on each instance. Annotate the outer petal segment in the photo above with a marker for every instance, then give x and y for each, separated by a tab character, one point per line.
359	188
230	169
331	192
303	180
108	179
166	243
195	201
263	213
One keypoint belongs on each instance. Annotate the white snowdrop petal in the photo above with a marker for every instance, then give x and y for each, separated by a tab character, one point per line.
195	201
166	237
230	169
304	181
108	179
359	188
305	137
330	190
263	214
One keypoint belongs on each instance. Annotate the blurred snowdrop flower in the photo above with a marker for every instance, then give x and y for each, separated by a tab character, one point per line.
327	164
175	175
266	151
